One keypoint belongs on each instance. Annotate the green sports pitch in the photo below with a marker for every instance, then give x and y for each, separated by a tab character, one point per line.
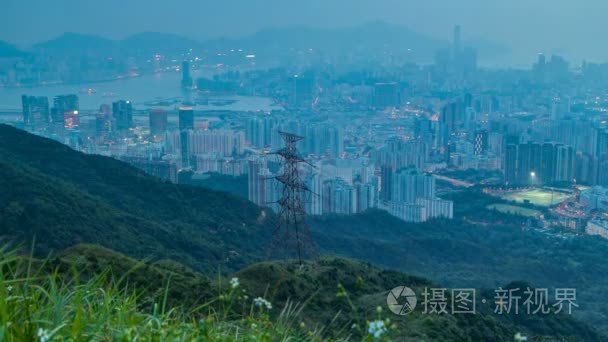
540	197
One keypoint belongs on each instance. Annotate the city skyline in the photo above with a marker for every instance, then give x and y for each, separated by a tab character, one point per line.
522	27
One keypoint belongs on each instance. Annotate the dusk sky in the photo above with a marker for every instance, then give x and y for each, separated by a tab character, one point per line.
574	28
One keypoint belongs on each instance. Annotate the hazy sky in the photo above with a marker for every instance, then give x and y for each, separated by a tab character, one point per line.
574	28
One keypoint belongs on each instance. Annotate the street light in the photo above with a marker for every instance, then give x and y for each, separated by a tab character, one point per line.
532	178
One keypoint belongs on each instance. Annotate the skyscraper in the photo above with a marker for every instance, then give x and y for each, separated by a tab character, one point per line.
510	164
386	183
366	196
186	77
336	141
66	103
186	118
103	120
547	167
586	168
186	124
65	108
122	111
601	150
451	115
257	181
603	173
35	110
315	183
259	131
409	184
301	91
158	121
564	163
408	212
481	142
457	42
436	207
71	119
540	68
535	163
528	163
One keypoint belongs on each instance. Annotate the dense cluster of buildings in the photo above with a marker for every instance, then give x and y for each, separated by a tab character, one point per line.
595	202
352	186
375	137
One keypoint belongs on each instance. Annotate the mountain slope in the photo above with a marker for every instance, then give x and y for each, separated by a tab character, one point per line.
76	43
364	40
8	50
154	42
71	43
461	253
320	284
63	197
320	290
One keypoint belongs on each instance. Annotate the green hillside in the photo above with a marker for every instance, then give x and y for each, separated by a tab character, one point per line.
459	253
328	299
63	197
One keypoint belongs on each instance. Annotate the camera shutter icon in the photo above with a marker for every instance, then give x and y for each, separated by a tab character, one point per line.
401	300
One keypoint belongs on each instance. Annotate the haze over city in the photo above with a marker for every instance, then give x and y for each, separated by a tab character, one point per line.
573	29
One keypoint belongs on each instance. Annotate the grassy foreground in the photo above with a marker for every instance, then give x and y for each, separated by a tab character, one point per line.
36	305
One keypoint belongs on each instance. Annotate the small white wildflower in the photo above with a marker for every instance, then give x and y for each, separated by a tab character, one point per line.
520	338
234	282
43	335
253	325
261	302
377	328
9	288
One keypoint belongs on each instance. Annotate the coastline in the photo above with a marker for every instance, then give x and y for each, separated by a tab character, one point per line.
61	83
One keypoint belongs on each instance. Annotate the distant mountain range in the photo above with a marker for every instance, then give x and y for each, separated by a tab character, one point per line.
8	50
70	40
146	42
367	40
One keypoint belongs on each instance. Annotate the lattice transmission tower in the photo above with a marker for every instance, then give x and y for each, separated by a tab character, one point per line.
291	231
